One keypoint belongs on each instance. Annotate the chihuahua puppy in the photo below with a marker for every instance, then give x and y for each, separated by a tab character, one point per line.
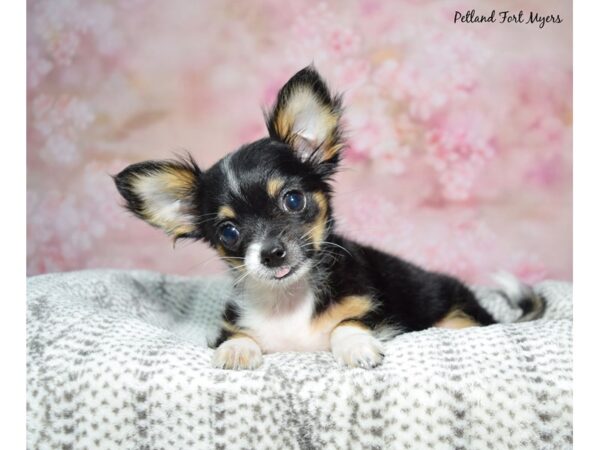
300	286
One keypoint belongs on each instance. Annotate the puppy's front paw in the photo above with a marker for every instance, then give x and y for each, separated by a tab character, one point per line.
238	354
356	348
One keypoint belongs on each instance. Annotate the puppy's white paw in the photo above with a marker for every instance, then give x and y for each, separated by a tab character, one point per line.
237	354
356	347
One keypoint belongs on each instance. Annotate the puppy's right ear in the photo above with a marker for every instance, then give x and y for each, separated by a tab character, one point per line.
165	194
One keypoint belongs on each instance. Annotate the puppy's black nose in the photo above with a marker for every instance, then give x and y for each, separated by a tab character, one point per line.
273	253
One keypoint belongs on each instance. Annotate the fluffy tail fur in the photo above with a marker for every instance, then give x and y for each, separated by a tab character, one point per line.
520	295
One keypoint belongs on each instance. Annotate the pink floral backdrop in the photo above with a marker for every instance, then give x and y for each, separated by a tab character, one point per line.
460	153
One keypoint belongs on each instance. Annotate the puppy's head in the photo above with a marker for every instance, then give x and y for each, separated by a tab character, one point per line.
265	207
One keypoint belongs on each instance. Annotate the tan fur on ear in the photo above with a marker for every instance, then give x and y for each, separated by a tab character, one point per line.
307	117
305	121
166	198
226	212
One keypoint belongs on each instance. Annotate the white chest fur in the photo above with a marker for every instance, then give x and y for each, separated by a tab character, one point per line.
280	320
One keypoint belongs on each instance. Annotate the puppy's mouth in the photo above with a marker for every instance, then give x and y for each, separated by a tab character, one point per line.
283	272
291	269
282	276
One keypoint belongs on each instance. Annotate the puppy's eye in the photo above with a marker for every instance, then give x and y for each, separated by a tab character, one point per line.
294	201
230	235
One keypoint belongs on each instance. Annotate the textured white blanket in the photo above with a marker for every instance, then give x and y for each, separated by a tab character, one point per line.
118	360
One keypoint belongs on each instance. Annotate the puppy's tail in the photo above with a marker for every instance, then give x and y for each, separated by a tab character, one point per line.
520	295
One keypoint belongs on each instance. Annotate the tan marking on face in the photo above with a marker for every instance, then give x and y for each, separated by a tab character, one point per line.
456	319
226	212
274	185
318	227
351	307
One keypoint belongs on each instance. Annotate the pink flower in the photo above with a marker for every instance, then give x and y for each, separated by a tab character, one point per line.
458	149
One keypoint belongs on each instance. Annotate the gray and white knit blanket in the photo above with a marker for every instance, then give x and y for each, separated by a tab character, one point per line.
118	360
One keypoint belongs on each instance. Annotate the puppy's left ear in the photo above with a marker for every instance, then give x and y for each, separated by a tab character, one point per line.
307	117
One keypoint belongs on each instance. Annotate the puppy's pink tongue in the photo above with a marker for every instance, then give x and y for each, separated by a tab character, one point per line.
282	271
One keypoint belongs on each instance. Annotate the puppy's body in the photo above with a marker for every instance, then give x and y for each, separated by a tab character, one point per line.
386	291
299	286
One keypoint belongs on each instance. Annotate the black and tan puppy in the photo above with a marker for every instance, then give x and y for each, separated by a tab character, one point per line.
299	286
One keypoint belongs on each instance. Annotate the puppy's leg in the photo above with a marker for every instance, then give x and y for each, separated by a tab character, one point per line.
238	352
466	312
456	319
353	345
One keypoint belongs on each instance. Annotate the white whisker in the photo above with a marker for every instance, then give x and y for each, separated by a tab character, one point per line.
337	245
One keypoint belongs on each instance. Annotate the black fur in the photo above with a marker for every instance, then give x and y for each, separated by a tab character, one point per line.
407	297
